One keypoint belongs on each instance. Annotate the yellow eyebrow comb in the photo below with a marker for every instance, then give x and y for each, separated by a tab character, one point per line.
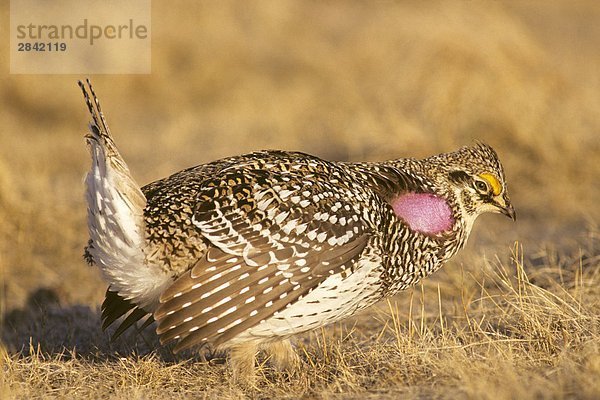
494	183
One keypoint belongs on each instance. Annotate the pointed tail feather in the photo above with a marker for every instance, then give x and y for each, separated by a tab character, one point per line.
115	205
99	131
115	307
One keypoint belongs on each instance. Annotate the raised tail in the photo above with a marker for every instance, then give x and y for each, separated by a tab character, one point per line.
100	136
115	208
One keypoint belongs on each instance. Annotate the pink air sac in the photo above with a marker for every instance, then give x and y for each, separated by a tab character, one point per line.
424	212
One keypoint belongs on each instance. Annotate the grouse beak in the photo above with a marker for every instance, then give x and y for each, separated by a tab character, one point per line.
509	211
504	206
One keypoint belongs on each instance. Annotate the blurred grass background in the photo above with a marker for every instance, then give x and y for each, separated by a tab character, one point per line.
342	80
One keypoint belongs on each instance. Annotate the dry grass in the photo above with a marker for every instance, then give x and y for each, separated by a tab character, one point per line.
527	329
343	80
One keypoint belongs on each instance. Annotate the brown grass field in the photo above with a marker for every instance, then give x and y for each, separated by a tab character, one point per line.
516	315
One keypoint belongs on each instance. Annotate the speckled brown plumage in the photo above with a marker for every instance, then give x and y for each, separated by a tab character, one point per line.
253	249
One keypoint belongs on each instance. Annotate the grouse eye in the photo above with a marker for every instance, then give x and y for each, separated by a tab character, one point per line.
481	186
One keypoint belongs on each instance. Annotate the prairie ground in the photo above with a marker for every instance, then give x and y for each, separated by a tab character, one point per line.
514	315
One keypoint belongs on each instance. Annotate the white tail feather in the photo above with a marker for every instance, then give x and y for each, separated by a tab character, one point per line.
116	218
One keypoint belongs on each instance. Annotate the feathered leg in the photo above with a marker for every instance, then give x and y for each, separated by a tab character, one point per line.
282	355
241	360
